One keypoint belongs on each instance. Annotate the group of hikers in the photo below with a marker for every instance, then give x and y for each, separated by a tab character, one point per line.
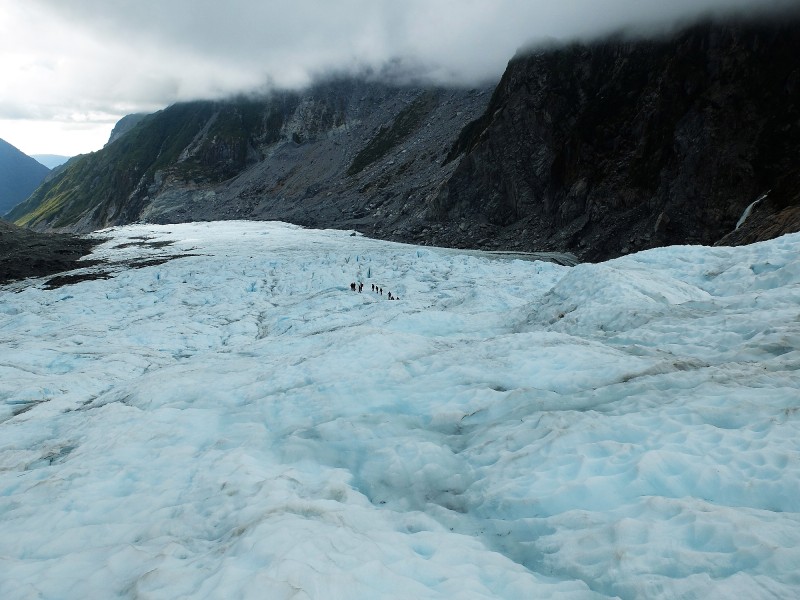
359	287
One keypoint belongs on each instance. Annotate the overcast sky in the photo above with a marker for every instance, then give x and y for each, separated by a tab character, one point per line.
71	68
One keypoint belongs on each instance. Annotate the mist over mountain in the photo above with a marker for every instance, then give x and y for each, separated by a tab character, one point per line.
207	402
124	125
118	57
598	149
19	176
353	153
51	161
624	144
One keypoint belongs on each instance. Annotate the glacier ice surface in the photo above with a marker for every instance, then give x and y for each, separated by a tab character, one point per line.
238	424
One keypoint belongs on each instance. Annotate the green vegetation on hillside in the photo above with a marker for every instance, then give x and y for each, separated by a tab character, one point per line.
206	141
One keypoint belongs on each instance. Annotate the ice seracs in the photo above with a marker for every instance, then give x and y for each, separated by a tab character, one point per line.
237	423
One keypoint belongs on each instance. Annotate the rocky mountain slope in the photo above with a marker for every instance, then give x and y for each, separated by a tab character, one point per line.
599	149
624	144
345	153
19	176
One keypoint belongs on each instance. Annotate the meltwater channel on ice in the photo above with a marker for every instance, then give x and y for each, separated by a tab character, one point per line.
237	423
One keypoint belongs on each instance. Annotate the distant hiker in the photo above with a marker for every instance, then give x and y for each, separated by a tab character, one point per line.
381	291
373	286
353	287
360	287
390	296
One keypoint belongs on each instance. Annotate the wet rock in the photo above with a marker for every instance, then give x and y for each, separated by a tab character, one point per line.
25	253
666	139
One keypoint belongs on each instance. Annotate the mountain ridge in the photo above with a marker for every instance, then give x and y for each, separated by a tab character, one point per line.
599	149
20	175
334	155
638	143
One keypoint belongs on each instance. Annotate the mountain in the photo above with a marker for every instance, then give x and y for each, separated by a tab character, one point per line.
598	149
624	144
347	152
51	161
124	125
19	176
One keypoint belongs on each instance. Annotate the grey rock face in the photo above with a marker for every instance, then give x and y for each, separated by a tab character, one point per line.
594	149
613	147
349	155
346	153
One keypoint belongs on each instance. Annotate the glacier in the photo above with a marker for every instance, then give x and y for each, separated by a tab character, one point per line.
235	422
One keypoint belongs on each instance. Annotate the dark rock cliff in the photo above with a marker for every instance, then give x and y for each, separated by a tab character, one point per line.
598	149
611	147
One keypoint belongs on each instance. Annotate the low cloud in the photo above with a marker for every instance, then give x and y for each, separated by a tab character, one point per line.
98	57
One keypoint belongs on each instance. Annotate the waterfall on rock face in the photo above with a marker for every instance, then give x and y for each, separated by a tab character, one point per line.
749	210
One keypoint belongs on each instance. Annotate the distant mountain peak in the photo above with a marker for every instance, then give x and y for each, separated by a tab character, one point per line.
51	161
124	125
20	175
